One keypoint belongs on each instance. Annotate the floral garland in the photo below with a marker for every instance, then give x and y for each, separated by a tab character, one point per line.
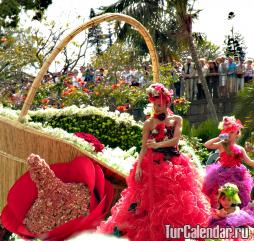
119	159
119	117
229	124
156	90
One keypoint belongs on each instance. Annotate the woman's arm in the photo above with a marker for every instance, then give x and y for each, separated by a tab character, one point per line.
249	147
145	135
214	143
246	158
177	134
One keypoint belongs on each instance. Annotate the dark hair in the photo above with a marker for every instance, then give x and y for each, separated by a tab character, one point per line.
222	194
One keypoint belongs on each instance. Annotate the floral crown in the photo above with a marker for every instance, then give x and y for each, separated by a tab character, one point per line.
155	91
230	190
230	124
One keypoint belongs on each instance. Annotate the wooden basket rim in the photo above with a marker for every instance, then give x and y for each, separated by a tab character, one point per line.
92	22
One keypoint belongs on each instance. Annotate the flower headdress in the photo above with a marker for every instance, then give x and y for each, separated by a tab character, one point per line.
230	124
159	91
231	191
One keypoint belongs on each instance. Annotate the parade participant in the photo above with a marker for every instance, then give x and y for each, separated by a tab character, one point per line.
229	167
229	214
163	186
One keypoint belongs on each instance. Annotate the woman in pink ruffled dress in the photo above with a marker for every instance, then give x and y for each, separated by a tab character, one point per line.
163	187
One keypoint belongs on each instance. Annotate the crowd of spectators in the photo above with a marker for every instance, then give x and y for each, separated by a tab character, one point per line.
88	74
224	76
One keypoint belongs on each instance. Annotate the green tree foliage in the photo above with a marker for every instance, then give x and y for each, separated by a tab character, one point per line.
244	109
23	49
110	35
115	58
16	52
234	45
205	48
205	130
11	9
48	35
95	35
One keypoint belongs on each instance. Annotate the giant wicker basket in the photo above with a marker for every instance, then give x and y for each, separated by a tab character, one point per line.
18	141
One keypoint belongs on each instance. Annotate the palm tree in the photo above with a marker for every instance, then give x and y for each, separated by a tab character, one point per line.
184	16
151	13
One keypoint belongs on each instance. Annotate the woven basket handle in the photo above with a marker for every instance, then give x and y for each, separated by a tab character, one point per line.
94	21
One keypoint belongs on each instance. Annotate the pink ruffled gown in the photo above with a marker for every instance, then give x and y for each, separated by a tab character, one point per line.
169	193
228	169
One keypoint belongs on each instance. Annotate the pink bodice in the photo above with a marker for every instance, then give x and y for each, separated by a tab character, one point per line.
233	159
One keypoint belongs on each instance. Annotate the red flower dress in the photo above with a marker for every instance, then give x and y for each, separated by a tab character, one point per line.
169	193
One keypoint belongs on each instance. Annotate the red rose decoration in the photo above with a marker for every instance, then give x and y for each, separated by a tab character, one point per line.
86	90
121	108
80	170
3	39
114	86
45	101
161	132
230	124
91	139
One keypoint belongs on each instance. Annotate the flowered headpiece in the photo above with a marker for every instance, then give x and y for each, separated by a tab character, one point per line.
159	91
230	124
231	191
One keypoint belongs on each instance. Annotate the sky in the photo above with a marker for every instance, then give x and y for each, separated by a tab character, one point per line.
212	19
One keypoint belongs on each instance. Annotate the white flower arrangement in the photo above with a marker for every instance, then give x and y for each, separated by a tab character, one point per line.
120	160
9	113
156	89
89	110
152	91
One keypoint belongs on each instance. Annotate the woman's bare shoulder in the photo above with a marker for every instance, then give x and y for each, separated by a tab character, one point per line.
148	123
177	118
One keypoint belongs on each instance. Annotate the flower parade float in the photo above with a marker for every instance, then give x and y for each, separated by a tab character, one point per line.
19	140
69	158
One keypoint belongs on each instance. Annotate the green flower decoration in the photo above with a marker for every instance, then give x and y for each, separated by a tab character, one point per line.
231	191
